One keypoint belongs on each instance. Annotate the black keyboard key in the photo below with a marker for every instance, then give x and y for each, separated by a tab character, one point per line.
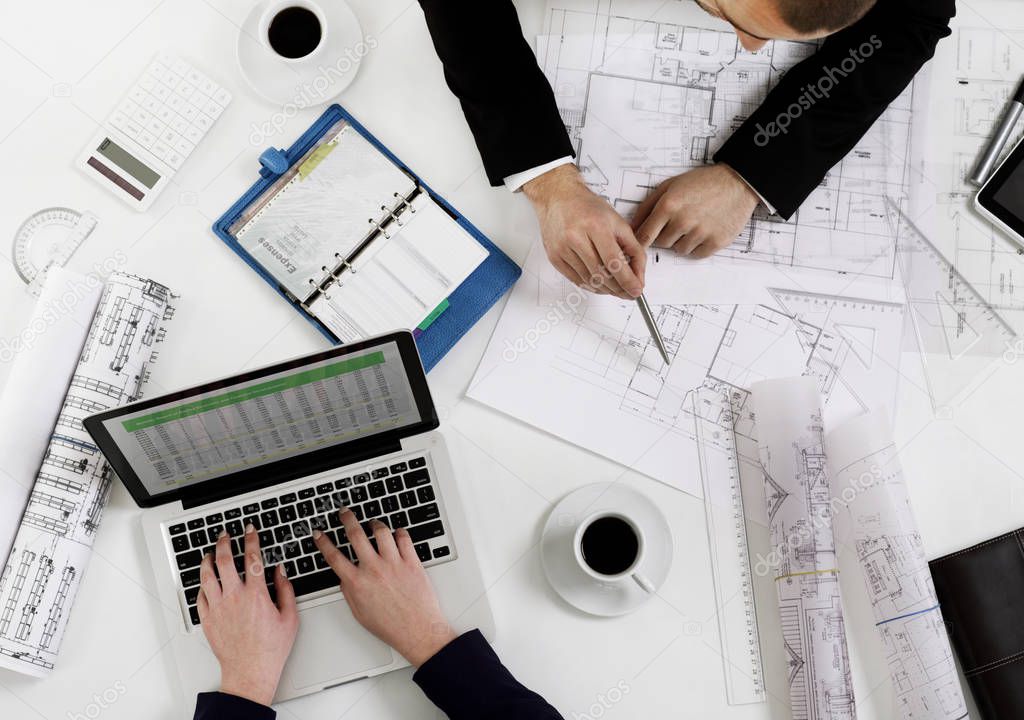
233	514
190	578
372	509
289	568
179	543
283	534
343	483
324	488
399	520
301	529
190	559
348	552
334	520
192	595
269	518
423	552
269	503
308	546
399	467
288	498
198	538
442	551
236	547
379	473
240	565
214	532
389	504
266	538
325	504
417	462
176	529
251	508
235	528
377	489
394	484
416	478
361	477
306	584
195	524
305	509
305	564
341	499
320	561
193	614
253	520
357	511
306	493
424	513
425	494
359	495
318	522
408	499
288	514
292	550
273	556
426	532
215	518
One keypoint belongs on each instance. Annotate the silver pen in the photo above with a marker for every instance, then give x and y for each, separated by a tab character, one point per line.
652	327
995	148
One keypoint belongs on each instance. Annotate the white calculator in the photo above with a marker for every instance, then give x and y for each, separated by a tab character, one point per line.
154	130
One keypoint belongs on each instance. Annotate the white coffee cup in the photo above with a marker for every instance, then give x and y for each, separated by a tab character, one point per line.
274	8
630	573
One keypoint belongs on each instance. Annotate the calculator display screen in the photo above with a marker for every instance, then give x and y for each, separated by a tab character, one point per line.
128	162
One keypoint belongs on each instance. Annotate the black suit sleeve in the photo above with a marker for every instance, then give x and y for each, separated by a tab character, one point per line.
221	706
490	67
894	39
467	681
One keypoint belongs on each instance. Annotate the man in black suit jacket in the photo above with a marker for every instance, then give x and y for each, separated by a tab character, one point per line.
777	156
389	593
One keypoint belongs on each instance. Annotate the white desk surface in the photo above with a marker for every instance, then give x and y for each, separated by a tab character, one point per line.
66	65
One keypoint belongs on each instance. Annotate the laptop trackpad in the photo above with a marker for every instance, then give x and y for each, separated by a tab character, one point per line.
332	646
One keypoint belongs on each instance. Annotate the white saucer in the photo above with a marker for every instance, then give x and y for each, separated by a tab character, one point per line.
306	83
564	573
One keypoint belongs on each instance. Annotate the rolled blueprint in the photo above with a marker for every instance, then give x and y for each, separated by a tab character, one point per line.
54	541
790	438
867	481
44	355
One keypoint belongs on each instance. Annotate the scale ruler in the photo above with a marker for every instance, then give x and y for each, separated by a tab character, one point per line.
49	237
727	542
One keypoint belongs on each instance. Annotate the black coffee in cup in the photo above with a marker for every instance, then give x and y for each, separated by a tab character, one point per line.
609	545
294	32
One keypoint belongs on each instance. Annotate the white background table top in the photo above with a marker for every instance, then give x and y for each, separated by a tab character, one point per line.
65	65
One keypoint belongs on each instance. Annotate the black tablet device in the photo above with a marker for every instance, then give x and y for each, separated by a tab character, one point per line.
1001	198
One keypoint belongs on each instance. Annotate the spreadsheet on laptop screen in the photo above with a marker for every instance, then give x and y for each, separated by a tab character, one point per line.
248	424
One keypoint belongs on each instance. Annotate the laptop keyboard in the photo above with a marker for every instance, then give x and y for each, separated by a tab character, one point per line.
399	494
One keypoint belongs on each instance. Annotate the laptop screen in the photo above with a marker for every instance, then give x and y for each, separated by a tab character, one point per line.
244	423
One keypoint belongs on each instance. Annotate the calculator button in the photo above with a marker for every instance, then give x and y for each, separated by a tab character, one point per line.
166	115
157	69
137	94
184	146
207	86
198	99
127	108
193	134
190	113
170	137
127	126
185	89
213	109
151	104
147	82
176	102
161	150
141	116
156	127
180	125
174	159
146	138
203	121
179	66
222	97
170	80
194	76
160	92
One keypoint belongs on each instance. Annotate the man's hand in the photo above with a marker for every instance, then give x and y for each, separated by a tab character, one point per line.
250	636
389	592
586	240
698	213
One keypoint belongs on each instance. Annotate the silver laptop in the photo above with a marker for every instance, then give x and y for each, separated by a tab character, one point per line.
283	447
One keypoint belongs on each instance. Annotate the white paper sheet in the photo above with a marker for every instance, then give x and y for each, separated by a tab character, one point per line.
53	543
790	433
868	482
49	345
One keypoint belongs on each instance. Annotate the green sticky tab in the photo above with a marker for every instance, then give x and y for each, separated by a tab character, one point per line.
314	159
429	319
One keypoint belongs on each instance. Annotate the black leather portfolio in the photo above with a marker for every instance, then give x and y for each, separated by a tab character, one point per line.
981	592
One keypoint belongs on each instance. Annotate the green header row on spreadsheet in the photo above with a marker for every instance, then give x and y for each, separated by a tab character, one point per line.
253	391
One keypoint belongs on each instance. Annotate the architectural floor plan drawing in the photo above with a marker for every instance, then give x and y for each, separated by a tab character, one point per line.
584	367
650	90
973	75
868	481
804	562
53	543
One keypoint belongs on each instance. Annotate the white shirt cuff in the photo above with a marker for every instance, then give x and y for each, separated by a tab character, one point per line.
516	181
771	210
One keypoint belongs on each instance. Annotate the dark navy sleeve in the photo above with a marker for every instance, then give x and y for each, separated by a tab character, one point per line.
467	681
220	706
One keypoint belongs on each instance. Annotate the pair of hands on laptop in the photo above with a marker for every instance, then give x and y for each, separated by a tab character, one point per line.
389	594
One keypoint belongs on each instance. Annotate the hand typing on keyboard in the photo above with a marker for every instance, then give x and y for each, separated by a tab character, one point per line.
249	634
389	591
